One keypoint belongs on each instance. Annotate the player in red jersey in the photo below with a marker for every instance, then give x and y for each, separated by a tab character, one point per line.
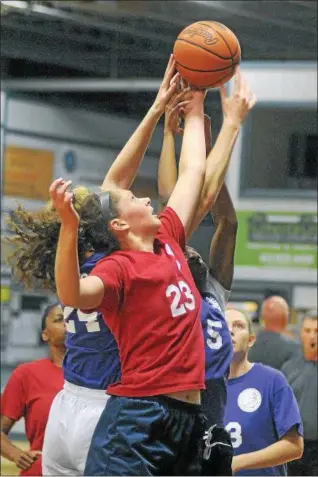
29	393
153	424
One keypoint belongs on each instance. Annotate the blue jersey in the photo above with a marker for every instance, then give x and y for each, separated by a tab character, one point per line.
92	357
261	409
218	350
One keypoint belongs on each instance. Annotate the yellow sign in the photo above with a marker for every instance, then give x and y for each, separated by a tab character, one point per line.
27	172
5	294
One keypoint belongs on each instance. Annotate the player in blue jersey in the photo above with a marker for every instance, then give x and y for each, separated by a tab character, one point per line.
92	360
91	363
213	282
262	414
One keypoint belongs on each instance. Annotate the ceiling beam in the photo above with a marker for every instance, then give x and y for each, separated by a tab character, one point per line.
73	85
85	19
108	48
63	58
230	7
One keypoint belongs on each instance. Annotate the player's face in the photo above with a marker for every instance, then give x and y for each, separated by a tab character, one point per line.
54	332
242	339
135	214
308	336
197	266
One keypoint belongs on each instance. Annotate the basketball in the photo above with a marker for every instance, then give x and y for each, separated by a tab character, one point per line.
206	54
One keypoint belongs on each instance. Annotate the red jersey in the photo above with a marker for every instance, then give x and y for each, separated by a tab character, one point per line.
152	307
29	393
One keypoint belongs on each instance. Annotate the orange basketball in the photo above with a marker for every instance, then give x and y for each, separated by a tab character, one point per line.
206	54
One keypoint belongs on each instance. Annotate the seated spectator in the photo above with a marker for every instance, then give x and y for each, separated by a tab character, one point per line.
272	346
301	373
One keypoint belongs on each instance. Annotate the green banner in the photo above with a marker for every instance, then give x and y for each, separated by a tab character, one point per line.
276	239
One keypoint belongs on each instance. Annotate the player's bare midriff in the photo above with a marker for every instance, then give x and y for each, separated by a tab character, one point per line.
192	397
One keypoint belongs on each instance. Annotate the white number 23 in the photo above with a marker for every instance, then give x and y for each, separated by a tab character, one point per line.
178	291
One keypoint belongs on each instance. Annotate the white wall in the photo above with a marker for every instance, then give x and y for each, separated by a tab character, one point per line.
94	138
3	118
3	100
277	83
290	83
305	297
73	124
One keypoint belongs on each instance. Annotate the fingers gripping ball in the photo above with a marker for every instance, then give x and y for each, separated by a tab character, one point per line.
207	54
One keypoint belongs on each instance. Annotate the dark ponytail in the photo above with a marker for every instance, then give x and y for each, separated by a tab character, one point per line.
35	237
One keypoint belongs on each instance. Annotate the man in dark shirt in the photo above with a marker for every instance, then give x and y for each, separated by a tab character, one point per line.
273	347
301	373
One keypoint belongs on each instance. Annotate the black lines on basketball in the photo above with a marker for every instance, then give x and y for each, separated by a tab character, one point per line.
219	81
219	33
204	71
205	49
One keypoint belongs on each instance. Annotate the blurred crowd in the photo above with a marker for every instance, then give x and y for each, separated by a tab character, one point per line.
296	357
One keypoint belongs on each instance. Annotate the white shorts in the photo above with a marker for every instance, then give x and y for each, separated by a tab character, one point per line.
73	416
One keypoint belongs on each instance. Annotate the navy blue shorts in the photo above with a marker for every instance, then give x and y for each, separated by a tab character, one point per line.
147	436
217	452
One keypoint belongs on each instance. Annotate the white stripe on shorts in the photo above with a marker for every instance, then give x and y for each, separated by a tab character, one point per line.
87	393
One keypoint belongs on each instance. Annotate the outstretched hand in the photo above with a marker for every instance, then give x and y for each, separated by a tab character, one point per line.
62	201
175	108
240	102
168	86
197	100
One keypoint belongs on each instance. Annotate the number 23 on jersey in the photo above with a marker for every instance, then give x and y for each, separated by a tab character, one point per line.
182	298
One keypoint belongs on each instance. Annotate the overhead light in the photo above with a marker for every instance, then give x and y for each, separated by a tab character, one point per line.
208	3
13	4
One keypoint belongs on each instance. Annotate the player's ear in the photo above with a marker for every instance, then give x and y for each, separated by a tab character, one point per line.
251	340
119	225
45	336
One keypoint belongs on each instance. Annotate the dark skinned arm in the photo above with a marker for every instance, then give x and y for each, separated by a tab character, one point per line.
222	247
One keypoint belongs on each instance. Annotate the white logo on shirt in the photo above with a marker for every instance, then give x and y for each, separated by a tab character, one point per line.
212	301
249	400
170	252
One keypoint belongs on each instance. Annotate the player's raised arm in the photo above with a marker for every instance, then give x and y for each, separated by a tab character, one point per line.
72	291
185	196
124	169
167	171
235	109
224	238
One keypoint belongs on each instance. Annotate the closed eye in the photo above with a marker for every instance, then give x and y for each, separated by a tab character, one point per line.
59	318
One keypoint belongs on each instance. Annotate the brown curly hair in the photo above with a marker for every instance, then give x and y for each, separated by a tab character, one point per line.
35	237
